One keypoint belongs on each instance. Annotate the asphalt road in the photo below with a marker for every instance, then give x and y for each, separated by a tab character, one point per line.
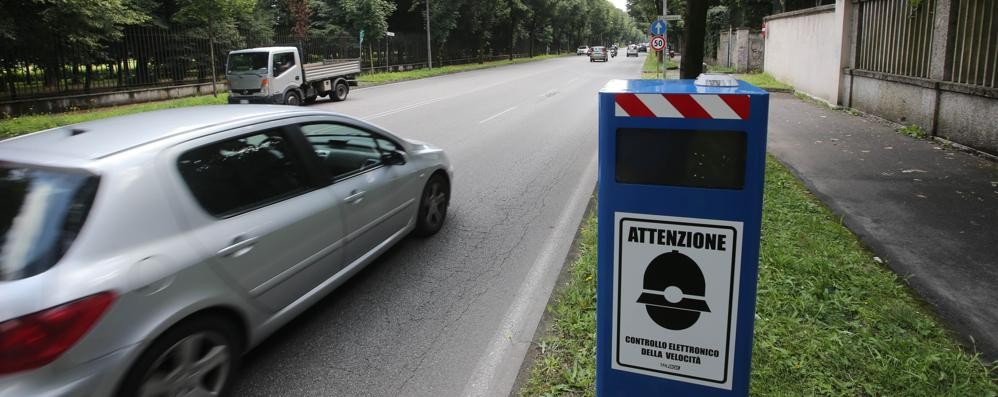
453	315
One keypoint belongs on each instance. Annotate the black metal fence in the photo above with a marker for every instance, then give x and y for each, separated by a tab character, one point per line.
146	57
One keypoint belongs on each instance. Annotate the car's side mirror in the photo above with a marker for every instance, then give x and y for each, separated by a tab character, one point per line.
394	157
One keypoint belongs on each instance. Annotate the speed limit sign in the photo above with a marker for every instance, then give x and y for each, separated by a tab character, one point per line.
657	43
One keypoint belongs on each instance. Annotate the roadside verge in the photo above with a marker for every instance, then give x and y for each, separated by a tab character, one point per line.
830	319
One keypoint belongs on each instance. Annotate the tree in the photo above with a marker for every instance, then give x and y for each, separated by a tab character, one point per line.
691	65
72	32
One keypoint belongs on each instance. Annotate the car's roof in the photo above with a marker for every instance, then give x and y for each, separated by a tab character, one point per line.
102	138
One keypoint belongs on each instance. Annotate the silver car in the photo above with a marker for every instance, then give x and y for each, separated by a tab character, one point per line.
143	255
598	54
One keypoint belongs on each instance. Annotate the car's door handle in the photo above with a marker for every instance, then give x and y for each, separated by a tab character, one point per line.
239	247
296	78
355	196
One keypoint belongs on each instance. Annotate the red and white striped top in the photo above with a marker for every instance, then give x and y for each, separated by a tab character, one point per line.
684	106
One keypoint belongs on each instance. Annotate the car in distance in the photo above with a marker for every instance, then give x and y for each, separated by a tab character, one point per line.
144	254
599	54
632	50
583	50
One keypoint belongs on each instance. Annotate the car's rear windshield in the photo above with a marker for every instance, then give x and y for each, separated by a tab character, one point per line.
41	212
247	62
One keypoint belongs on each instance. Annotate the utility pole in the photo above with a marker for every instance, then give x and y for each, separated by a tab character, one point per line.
429	52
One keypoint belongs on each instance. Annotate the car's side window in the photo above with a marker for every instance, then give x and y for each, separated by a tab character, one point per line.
282	62
238	174
344	150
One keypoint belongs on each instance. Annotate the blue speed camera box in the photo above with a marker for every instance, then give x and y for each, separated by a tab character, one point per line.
681	166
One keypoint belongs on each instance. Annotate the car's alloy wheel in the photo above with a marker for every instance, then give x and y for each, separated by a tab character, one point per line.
197	365
433	206
199	356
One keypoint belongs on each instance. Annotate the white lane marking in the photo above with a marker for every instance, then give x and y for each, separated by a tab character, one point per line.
659	105
497	114
716	107
401	109
539	281
572	80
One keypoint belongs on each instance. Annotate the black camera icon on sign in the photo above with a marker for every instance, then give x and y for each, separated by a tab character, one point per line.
675	291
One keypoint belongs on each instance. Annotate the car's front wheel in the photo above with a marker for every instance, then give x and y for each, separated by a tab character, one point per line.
198	357
433	206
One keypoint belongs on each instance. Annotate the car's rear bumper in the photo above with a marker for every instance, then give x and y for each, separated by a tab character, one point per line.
98	377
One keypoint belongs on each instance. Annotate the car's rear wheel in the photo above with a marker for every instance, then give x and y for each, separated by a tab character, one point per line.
433	206
198	357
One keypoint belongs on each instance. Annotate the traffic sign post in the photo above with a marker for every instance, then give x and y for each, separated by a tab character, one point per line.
680	206
658	27
658	43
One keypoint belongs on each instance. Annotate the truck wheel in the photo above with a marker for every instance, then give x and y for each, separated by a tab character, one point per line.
292	99
340	92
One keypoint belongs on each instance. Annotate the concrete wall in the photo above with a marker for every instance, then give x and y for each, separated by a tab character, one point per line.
876	93
960	113
742	50
804	49
88	101
971	120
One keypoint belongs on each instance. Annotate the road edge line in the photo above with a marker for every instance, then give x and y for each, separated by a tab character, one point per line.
538	279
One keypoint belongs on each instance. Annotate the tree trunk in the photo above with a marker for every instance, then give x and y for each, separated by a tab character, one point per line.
696	25
512	32
88	77
11	85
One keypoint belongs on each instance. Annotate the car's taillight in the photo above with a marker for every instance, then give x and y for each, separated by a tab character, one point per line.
36	339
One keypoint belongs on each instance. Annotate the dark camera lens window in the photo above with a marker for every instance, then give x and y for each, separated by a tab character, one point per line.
706	159
238	174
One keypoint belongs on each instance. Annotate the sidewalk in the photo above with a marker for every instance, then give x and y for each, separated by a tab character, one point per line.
929	211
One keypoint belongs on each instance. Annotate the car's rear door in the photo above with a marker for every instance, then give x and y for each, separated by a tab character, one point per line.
260	211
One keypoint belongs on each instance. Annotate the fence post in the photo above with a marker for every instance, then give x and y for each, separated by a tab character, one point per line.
943	36
211	51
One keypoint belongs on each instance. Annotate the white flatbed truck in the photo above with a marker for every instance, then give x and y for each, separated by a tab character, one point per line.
277	75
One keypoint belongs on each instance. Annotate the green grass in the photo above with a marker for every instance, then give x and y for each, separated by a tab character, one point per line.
914	130
14	126
390	77
720	69
831	321
764	81
649	70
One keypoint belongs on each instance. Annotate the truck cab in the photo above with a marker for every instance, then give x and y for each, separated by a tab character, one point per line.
264	75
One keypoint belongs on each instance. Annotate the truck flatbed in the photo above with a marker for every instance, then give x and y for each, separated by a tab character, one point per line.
331	68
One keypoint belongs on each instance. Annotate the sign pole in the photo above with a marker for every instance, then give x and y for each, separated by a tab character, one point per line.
661	54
